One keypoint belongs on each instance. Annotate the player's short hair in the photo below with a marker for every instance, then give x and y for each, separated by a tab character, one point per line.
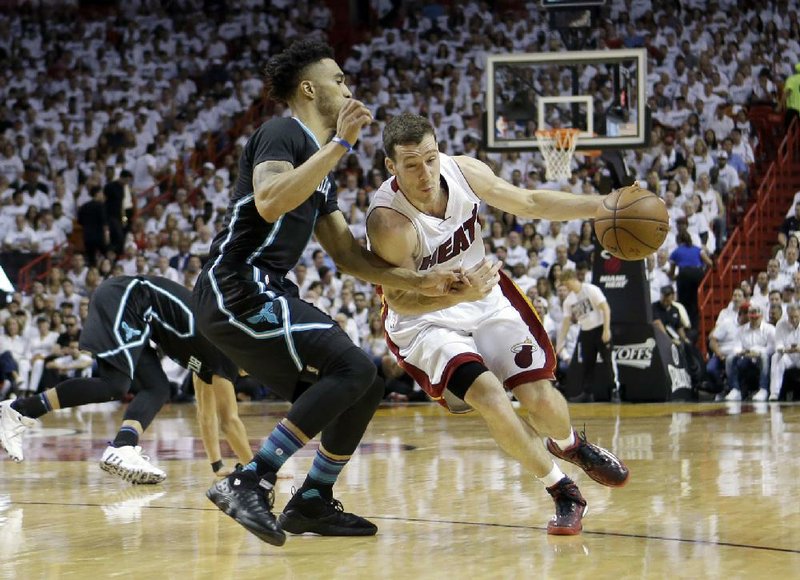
405	129
284	71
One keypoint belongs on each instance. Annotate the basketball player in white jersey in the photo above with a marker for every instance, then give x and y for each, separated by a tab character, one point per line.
467	348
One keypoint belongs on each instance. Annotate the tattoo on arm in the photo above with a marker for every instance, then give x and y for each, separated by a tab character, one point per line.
267	169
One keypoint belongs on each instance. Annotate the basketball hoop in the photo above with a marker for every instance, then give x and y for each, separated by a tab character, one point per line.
557	147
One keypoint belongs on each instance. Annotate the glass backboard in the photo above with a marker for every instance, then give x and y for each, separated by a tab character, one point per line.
599	92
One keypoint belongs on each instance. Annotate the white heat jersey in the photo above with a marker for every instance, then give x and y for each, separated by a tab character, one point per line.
450	242
501	330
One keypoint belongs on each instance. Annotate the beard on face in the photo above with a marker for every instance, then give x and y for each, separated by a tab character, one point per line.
329	108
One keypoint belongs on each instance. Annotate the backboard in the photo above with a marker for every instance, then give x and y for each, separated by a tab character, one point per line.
600	92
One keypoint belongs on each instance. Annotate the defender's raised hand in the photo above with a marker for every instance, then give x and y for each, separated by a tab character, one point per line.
353	117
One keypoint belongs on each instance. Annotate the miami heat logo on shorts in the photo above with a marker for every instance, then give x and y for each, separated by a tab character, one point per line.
524	353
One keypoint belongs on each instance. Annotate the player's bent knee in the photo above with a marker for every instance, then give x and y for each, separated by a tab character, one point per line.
355	372
464	377
117	389
487	397
539	397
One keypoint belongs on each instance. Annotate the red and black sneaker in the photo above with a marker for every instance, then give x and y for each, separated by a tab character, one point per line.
598	463
570	509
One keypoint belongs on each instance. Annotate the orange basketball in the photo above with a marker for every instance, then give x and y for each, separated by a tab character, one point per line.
631	223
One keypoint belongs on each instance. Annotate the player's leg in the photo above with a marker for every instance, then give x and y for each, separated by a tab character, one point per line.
208	422
230	424
245	495
485	393
124	457
549	416
437	357
312	508
18	415
548	412
218	410
503	339
259	343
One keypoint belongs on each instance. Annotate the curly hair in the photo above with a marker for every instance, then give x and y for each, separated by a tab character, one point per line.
284	70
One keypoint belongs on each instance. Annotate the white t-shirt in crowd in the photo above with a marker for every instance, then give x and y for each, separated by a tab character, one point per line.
584	305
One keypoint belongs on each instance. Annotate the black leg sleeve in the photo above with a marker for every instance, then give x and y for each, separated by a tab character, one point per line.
110	385
153	389
347	385
343	434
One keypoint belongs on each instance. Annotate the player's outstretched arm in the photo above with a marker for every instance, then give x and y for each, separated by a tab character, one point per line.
337	239
529	203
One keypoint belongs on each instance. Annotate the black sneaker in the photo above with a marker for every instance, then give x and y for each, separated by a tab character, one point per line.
570	509
248	499
323	516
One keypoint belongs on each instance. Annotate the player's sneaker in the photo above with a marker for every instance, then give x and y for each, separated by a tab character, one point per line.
761	395
248	499
324	516
734	395
773	396
598	463
128	463
570	509
12	425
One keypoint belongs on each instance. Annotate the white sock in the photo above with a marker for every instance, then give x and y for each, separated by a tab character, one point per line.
568	442
553	477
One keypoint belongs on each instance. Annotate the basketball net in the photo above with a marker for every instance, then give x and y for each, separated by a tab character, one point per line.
557	147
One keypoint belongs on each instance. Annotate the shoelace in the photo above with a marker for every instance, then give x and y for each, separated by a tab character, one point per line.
589	449
333	502
269	495
142	455
567	495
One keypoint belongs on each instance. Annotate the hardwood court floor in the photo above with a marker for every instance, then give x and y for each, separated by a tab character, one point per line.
712	495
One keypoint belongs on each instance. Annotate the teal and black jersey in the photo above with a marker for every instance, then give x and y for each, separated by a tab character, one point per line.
244	302
248	241
128	312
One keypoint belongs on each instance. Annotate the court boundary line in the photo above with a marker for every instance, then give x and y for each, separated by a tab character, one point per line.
458	522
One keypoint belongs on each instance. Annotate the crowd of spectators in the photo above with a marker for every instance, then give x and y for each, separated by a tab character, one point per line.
100	111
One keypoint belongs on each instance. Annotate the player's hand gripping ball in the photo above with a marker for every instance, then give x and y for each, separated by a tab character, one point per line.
631	223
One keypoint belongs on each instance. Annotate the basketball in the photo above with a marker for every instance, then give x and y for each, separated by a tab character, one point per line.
631	223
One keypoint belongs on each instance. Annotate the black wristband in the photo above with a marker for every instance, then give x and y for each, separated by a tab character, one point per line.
216	465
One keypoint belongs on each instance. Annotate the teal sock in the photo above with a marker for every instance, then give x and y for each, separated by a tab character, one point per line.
276	450
324	472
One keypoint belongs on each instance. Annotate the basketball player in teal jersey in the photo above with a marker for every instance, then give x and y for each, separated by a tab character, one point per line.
245	303
127	313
